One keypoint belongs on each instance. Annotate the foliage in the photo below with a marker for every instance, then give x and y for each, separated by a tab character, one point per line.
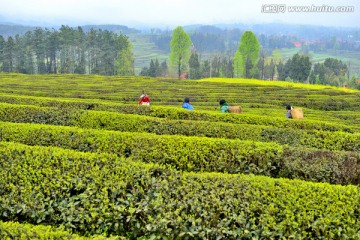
155	69
247	55
194	66
70	116
14	230
125	60
67	50
162	126
331	72
200	153
101	194
179	49
97	165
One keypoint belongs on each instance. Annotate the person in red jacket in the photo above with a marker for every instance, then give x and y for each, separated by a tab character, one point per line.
144	100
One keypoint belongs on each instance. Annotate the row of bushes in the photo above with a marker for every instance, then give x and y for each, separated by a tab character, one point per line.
51	102
295	137
102	194
69	116
94	104
314	100
197	153
136	123
15	230
237	92
181	114
342	118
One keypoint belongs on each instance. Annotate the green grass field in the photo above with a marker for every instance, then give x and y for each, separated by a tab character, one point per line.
81	160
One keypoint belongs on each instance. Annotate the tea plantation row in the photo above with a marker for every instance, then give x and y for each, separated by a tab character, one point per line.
276	113
197	153
173	91
135	123
92	193
64	116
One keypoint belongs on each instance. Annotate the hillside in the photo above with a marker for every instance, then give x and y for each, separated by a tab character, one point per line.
11	30
80	159
144	50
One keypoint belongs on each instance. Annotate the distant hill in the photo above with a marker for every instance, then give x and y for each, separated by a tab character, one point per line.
8	29
308	32
112	28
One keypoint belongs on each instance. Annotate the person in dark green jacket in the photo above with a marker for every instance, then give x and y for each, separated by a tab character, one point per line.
224	106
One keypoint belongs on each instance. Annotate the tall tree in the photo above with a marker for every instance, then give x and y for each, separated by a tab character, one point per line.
152	69
125	59
215	66
19	55
261	65
227	70
312	77
163	69
300	68
109	52
9	51
271	69
238	65
284	69
247	55
180	49
29	53
53	45
336	66
144	71
38	44
157	68
205	69
93	51
331	72
80	41
2	48
194	66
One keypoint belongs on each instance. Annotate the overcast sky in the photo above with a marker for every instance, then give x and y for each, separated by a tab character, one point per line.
170	13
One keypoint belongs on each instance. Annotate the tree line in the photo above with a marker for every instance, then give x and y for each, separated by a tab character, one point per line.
249	61
67	50
222	41
73	50
210	39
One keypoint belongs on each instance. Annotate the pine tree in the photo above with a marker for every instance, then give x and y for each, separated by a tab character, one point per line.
194	66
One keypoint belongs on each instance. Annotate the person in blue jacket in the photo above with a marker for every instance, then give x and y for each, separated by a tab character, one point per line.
186	104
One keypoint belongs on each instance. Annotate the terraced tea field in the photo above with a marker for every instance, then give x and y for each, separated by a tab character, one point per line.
79	159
